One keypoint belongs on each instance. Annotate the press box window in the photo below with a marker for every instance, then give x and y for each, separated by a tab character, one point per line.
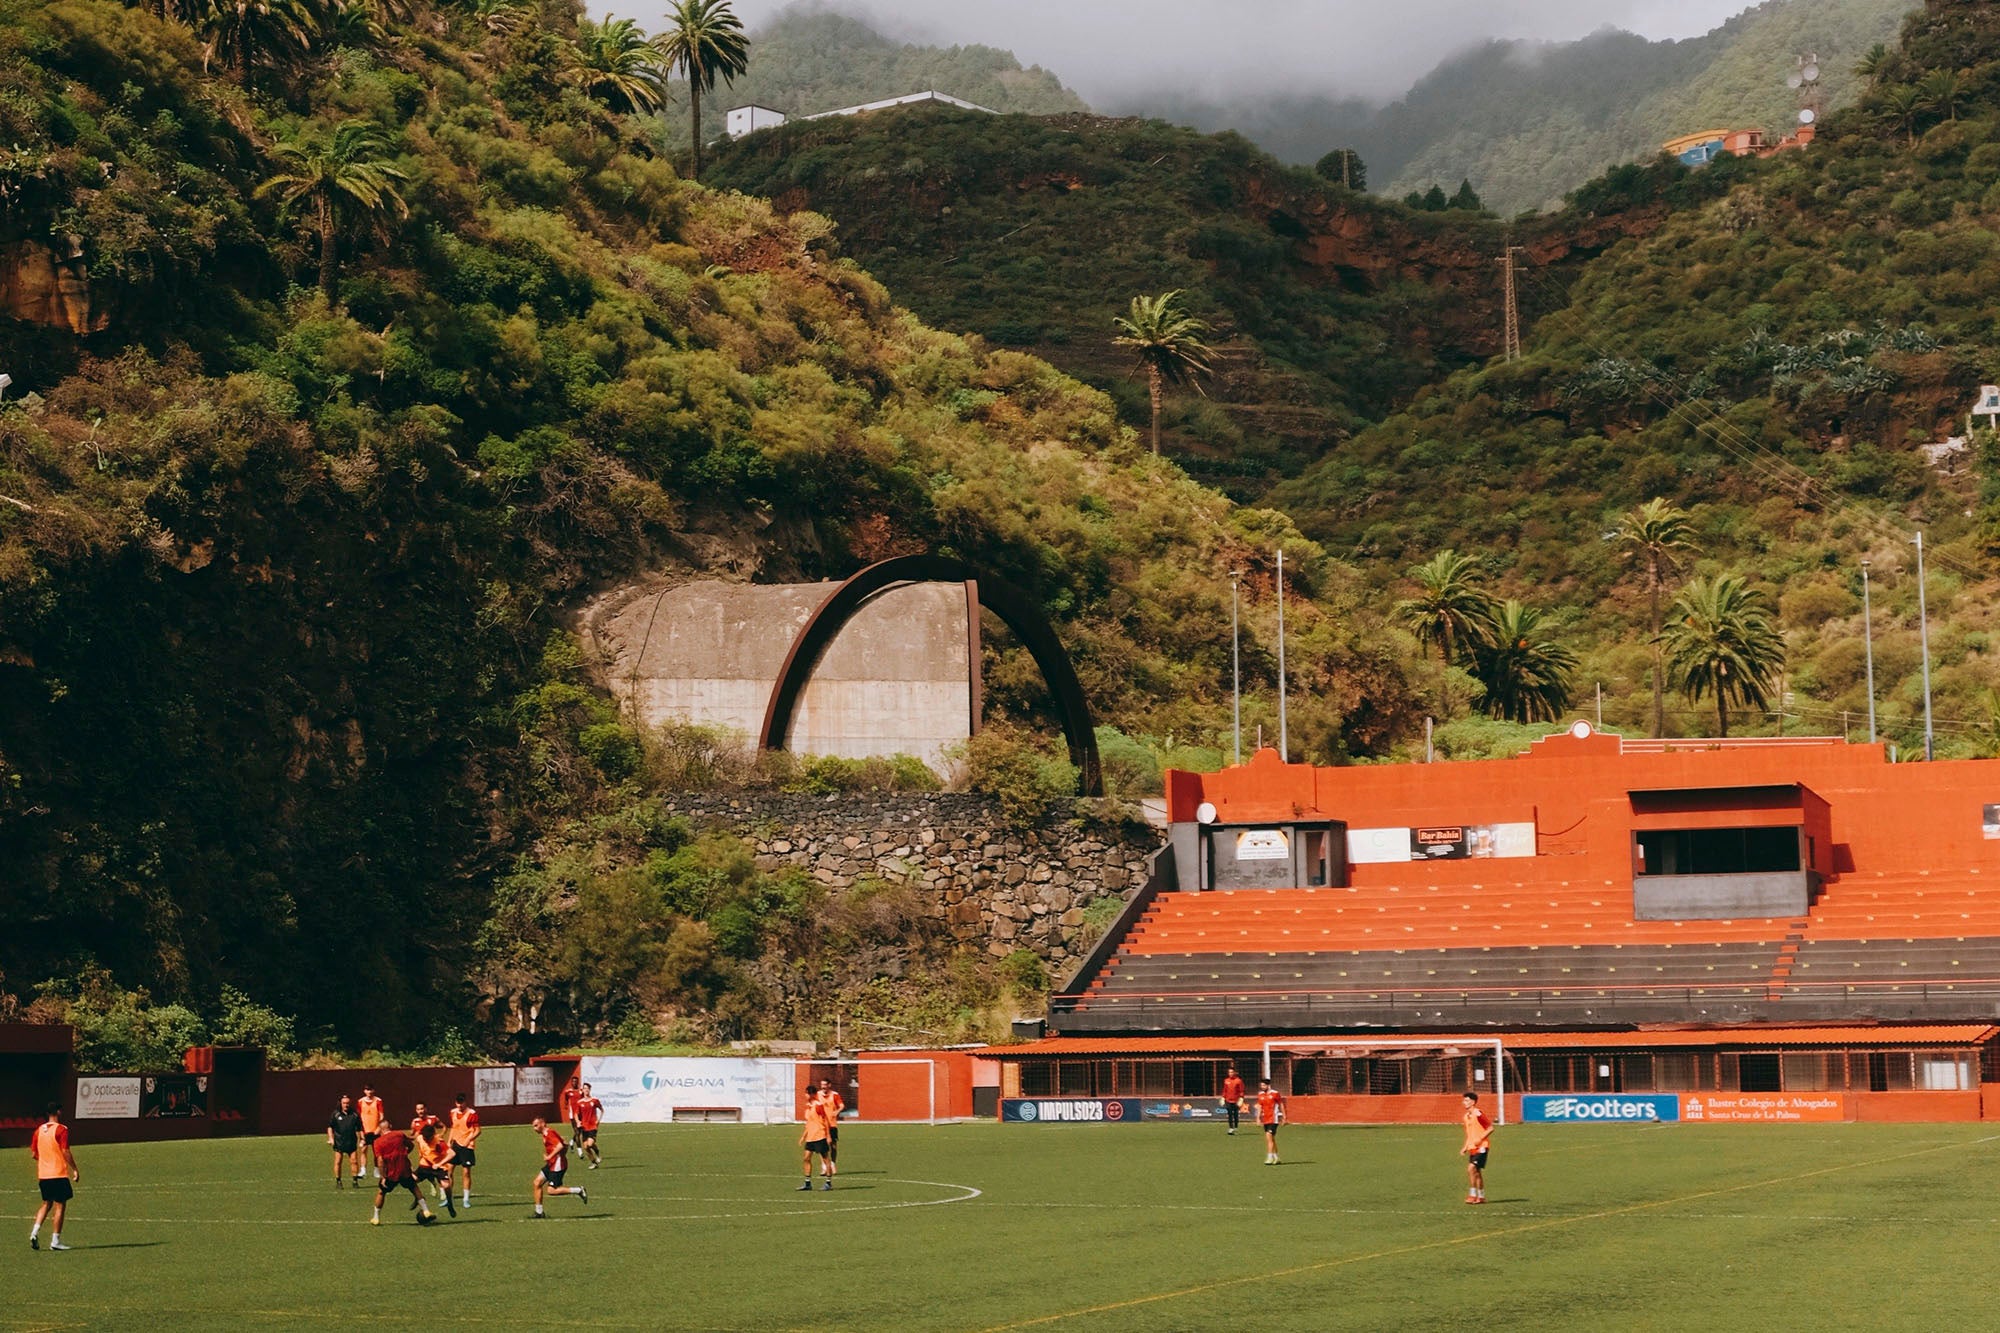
1735	851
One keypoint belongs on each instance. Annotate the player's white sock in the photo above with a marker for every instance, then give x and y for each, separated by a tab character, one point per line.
34	1231
538	1210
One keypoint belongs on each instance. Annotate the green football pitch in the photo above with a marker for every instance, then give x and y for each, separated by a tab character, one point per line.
984	1226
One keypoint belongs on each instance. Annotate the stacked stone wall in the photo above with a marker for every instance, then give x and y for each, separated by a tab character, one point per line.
996	886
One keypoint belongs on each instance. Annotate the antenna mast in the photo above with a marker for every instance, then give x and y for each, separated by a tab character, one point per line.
1511	333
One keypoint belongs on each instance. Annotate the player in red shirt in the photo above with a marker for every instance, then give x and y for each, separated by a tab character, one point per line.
55	1171
1478	1135
392	1160
1270	1114
566	1107
589	1113
555	1160
1232	1097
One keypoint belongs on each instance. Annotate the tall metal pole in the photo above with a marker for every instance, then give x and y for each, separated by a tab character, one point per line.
1235	666
1924	633
1868	637
1284	735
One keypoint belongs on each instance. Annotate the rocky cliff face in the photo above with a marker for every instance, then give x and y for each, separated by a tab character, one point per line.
39	285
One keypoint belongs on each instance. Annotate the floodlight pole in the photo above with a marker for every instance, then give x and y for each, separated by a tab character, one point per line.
1235	666
1924	633
1284	734
1868	637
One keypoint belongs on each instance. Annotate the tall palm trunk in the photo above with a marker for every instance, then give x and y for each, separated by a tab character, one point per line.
694	106
1153	385
329	248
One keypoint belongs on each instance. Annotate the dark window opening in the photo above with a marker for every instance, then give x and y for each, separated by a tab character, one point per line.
1758	1072
1733	851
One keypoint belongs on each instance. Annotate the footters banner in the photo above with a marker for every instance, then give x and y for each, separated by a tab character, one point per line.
1686	1107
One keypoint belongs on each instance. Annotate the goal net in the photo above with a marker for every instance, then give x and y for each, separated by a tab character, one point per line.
1401	1067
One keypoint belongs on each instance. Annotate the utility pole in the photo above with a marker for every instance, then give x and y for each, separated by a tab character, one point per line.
1924	633
1868	637
1236	666
1511	332
1284	735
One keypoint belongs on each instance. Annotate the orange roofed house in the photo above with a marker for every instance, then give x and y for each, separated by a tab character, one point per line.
1788	915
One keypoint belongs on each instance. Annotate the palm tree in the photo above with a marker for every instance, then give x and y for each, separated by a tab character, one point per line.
1526	673
1452	610
1902	107
704	40
1942	92
246	33
1871	62
1656	534
1167	342
616	63
339	175
1720	641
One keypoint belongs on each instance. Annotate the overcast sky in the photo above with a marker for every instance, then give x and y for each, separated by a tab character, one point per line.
1368	48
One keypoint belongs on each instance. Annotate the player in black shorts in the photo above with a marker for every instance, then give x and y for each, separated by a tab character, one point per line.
436	1155
392	1161
343	1135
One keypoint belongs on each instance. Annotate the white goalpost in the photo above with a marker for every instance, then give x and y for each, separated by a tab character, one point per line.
1484	1054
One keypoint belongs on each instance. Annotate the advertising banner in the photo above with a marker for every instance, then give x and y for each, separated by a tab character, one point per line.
1764	1107
1601	1108
494	1087
176	1096
1071	1110
107	1098
1199	1108
534	1085
643	1089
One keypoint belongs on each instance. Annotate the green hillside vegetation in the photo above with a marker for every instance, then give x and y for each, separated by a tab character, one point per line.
1771	361
812	60
1527	124
1038	232
286	702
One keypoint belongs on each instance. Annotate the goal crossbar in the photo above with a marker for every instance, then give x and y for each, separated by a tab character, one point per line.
1363	1046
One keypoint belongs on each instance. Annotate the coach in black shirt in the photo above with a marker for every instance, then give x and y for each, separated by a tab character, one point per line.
343	1135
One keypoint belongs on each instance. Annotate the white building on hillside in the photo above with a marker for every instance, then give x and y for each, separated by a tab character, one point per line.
744	120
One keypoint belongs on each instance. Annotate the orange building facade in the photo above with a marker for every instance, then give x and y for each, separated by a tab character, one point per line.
1689	920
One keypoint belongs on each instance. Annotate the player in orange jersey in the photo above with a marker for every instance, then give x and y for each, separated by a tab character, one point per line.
1232	1097
834	1103
814	1140
435	1158
1478	1136
1270	1114
464	1139
55	1171
555	1160
374	1114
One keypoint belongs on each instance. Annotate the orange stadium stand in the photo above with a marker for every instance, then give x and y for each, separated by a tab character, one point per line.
1902	919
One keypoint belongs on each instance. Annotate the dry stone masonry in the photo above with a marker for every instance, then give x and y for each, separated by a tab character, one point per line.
997	886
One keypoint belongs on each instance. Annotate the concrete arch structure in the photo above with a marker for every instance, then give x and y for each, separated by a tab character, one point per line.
1014	607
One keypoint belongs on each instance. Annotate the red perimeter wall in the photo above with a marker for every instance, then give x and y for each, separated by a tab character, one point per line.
1426	1109
892	1091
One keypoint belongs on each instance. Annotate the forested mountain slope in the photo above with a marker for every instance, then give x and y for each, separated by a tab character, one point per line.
1776	360
1527	122
1329	306
284	687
